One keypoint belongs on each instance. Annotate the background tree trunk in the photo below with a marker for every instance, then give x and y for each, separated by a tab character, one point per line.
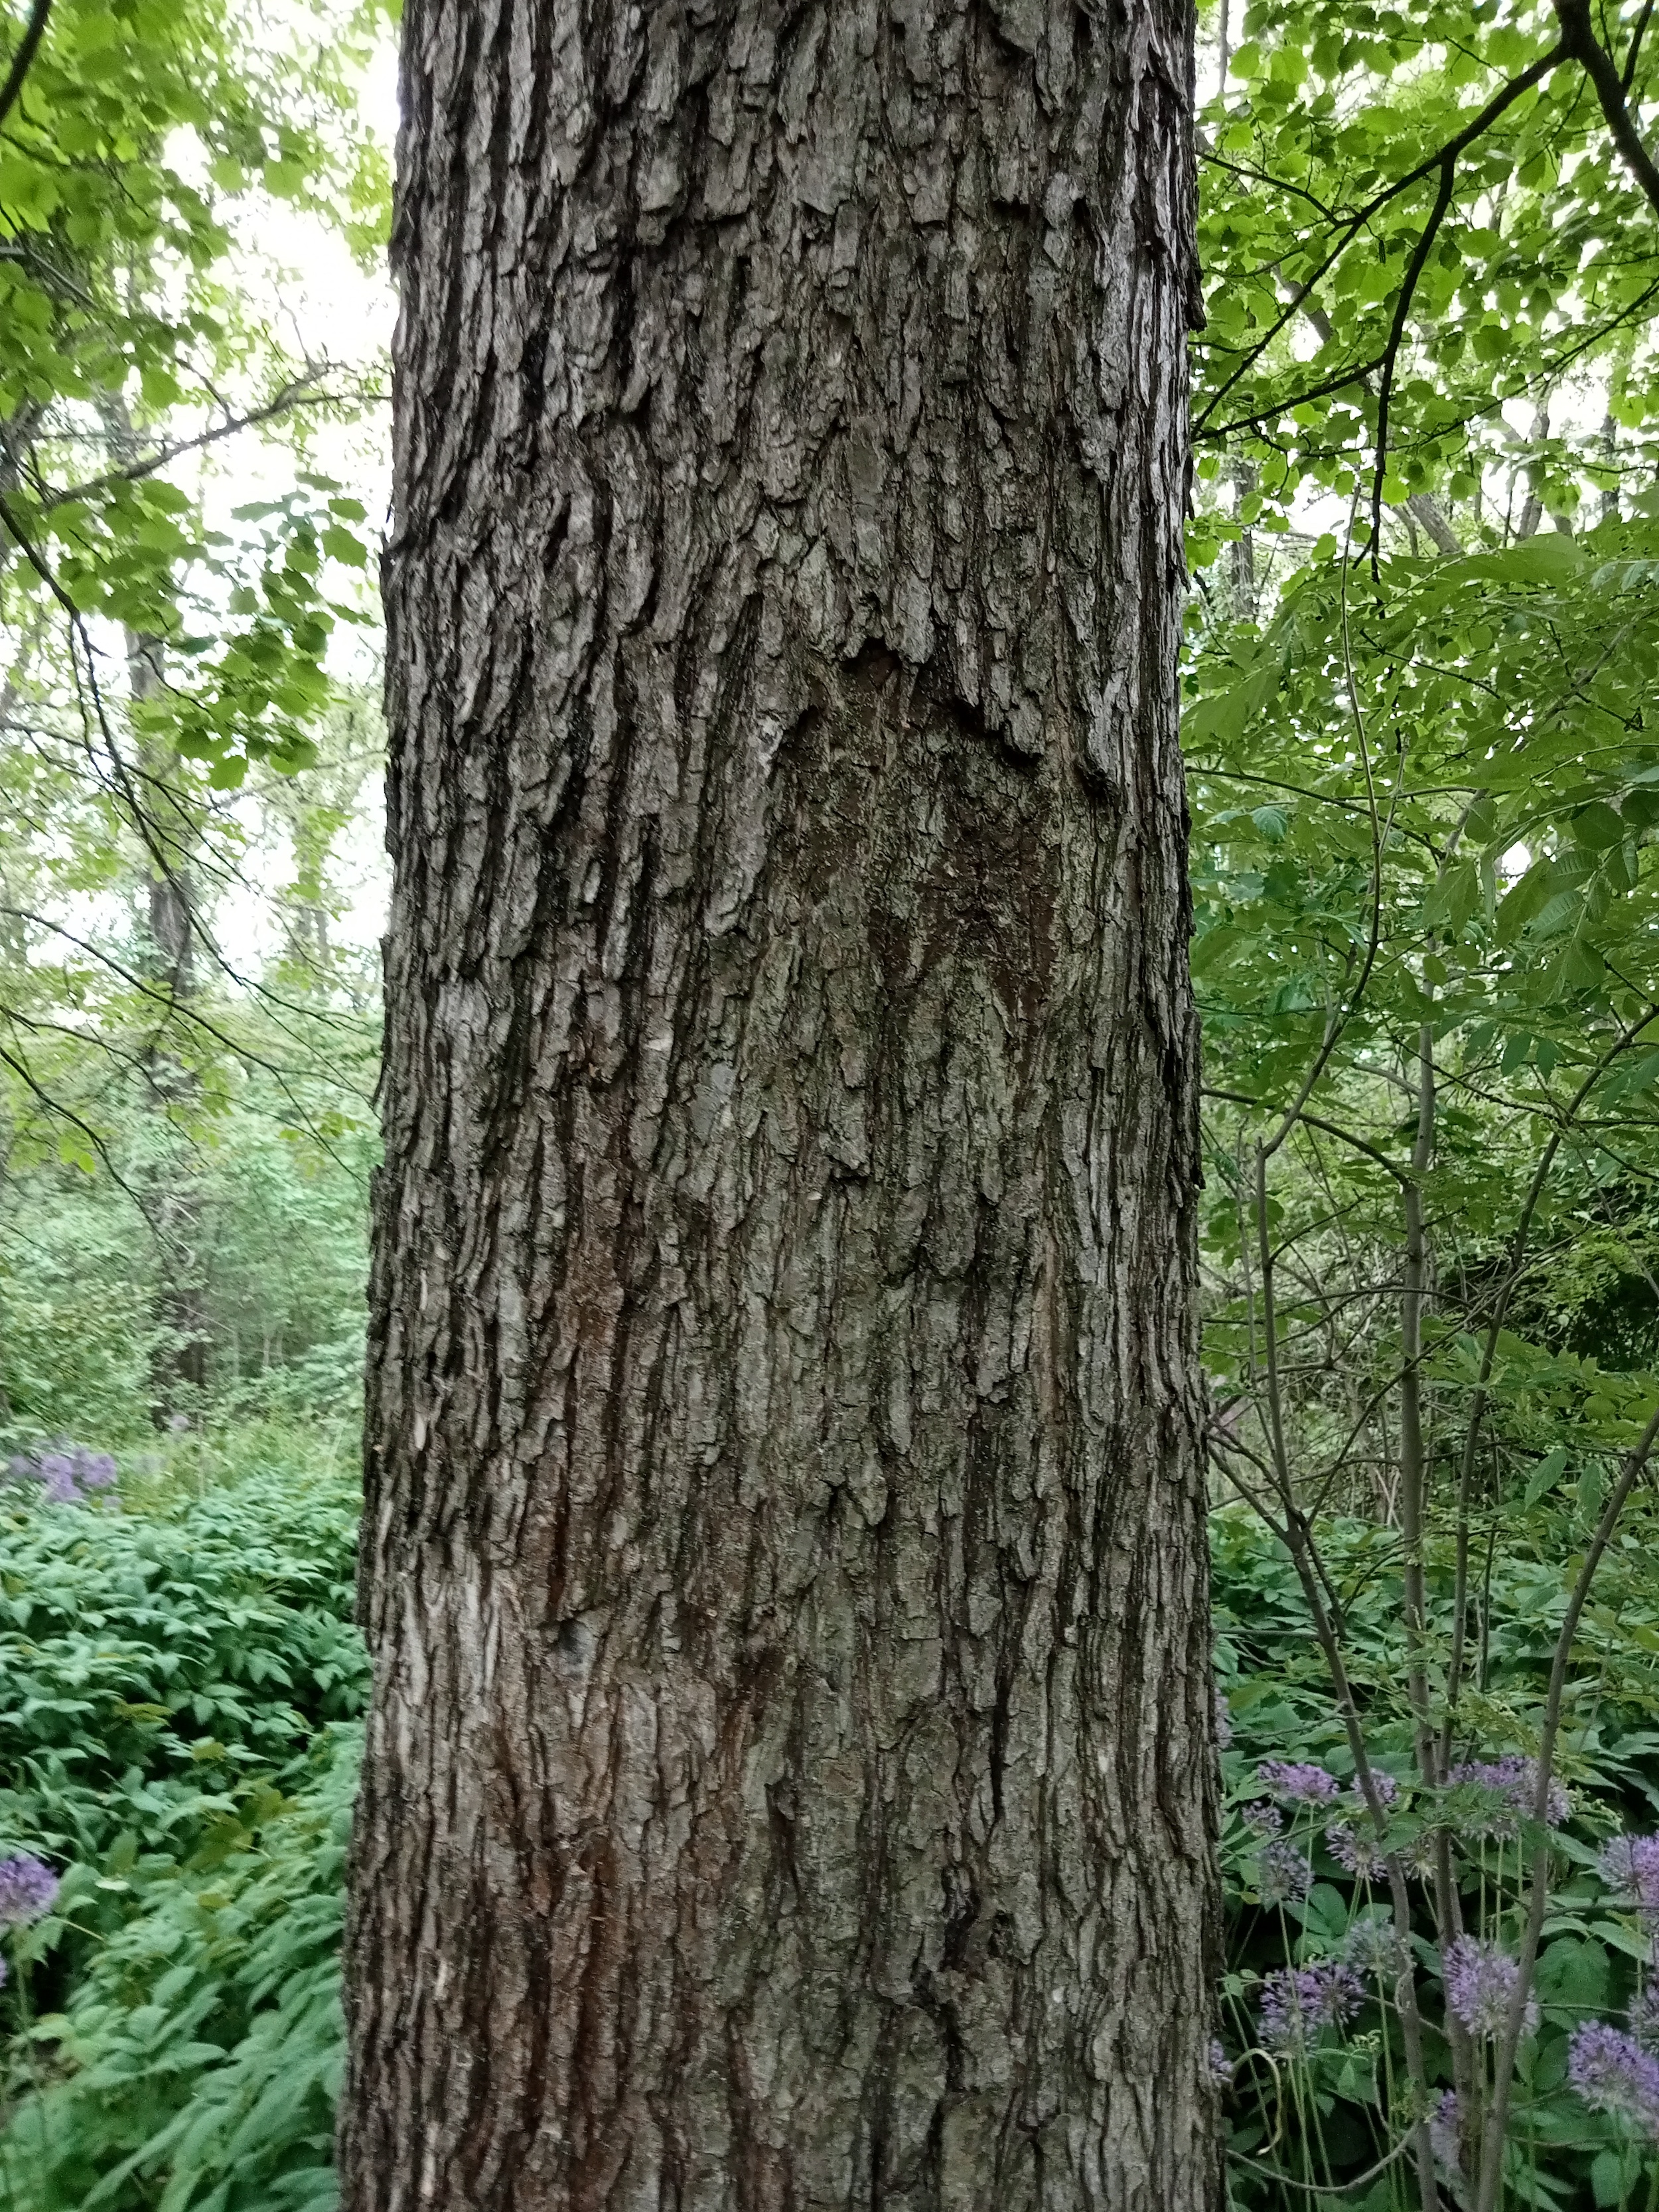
167	835
789	1778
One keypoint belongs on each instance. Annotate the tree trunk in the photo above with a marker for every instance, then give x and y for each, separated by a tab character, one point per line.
179	1361
789	1781
160	821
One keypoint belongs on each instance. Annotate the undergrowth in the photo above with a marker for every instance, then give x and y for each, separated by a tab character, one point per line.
179	1737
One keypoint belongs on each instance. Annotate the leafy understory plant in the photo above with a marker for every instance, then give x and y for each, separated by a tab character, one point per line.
1426	798
179	1756
1319	2040
1460	1970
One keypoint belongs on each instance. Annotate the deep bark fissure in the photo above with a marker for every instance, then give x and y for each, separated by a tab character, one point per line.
789	1781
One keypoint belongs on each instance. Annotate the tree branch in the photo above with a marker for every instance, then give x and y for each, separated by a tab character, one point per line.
299	393
1476	127
34	31
1397	332
1578	40
1637	37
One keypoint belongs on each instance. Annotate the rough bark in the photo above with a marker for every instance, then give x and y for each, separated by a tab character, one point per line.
788	1781
1427	510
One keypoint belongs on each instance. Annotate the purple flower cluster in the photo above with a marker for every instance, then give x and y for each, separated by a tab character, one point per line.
1303	1784
68	1473
1373	1947
1513	1780
1629	1865
27	1888
1357	1854
1644	2015
1221	2067
1298	2001
1265	1819
1283	1875
1224	1722
1480	1983
1444	2130
1613	2074
1387	1788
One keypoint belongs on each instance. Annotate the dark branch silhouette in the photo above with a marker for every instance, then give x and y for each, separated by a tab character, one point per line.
22	60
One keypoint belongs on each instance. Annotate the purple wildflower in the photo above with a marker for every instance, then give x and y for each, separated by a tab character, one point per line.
1297	2000
1444	2130
1355	1849
28	1888
1387	1788
1357	1854
1221	2067
1513	1779
57	1472
1224	1722
1304	1785
1644	2015
1282	1874
1265	1819
1629	1865
67	1473
1373	1947
1613	2074
1480	1983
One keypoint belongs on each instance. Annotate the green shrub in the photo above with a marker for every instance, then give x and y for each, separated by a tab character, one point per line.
277	1239
198	2062
1320	2105
157	1661
178	1736
181	1737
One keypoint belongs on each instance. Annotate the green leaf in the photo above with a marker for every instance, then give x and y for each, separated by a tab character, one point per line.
1547	1472
74	1149
1228	715
341	544
1616	2173
1526	898
1592	1490
1597	826
1550	558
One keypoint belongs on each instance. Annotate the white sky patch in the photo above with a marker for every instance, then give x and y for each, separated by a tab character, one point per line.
297	274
